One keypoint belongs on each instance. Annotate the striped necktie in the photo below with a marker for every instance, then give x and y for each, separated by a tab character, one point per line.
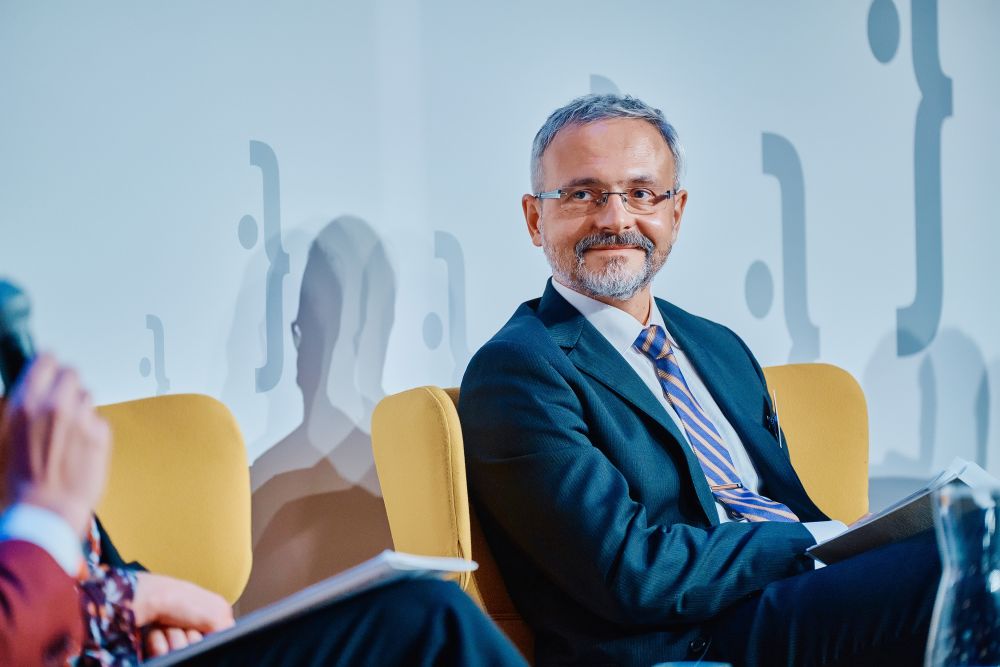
708	446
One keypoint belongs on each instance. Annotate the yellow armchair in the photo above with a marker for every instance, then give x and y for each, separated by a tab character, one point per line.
420	459
178	494
417	441
823	413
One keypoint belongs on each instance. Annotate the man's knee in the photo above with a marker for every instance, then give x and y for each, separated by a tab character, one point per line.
423	598
429	597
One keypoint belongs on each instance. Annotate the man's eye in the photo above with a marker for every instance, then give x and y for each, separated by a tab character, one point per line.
581	195
642	194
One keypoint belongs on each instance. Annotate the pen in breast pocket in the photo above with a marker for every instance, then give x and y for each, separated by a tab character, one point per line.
777	419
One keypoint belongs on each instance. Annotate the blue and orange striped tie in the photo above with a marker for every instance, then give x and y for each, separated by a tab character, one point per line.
708	446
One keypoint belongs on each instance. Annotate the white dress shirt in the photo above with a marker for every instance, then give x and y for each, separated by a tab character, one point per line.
621	330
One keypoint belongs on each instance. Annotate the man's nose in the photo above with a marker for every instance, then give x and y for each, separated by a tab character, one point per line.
612	216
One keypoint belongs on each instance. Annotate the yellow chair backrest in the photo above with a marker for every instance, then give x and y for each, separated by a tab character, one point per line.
823	413
417	441
420	459
178	494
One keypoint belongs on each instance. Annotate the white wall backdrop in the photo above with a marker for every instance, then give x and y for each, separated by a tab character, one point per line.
165	169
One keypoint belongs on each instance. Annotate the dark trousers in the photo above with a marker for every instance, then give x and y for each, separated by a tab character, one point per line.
415	622
872	609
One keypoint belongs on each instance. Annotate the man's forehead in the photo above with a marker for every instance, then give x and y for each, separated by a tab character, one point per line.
614	143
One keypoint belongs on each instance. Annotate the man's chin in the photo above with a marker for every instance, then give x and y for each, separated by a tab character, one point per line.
617	287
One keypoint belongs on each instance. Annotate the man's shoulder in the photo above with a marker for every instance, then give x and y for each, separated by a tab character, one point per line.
524	321
526	340
525	330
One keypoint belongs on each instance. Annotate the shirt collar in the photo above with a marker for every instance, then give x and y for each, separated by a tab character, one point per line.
620	328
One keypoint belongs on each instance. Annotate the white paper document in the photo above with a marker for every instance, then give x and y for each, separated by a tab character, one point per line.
905	518
387	567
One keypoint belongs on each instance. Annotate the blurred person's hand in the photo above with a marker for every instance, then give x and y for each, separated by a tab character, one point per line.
161	640
54	446
178	612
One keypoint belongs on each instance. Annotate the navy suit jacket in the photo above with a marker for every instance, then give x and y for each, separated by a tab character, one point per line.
597	511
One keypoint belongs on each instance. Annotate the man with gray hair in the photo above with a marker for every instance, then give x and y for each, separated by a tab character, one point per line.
622	453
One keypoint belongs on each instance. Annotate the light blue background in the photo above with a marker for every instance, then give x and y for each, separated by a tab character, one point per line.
125	172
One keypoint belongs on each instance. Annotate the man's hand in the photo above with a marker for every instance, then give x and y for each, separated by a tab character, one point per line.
55	445
179	611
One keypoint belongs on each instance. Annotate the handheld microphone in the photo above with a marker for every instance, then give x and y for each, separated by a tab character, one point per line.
16	348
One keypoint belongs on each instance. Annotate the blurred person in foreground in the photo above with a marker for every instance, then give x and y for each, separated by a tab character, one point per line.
54	452
58	603
68	596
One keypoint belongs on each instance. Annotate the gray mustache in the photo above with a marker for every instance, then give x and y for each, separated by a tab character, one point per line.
626	238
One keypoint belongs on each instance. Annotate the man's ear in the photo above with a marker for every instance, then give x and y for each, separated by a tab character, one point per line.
532	208
680	201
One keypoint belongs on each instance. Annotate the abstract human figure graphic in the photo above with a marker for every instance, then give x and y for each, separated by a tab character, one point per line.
952	376
317	508
261	155
759	289
602	85
782	161
945	392
447	248
883	30
917	324
158	365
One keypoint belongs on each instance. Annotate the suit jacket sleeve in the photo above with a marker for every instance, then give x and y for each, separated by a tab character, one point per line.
40	607
555	496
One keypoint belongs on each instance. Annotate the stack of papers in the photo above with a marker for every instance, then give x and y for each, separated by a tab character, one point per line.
911	515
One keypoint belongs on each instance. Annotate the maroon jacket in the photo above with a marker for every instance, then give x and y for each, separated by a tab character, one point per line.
40	621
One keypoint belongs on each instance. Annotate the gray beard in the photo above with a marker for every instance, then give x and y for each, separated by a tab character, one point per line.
614	280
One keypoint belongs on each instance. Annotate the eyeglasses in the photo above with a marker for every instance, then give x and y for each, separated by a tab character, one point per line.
581	201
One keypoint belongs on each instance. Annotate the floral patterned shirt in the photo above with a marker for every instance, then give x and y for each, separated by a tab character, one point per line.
106	593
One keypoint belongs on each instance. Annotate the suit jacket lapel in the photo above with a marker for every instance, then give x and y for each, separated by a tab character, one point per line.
593	355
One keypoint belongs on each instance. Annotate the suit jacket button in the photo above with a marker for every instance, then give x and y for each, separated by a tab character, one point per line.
697	645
